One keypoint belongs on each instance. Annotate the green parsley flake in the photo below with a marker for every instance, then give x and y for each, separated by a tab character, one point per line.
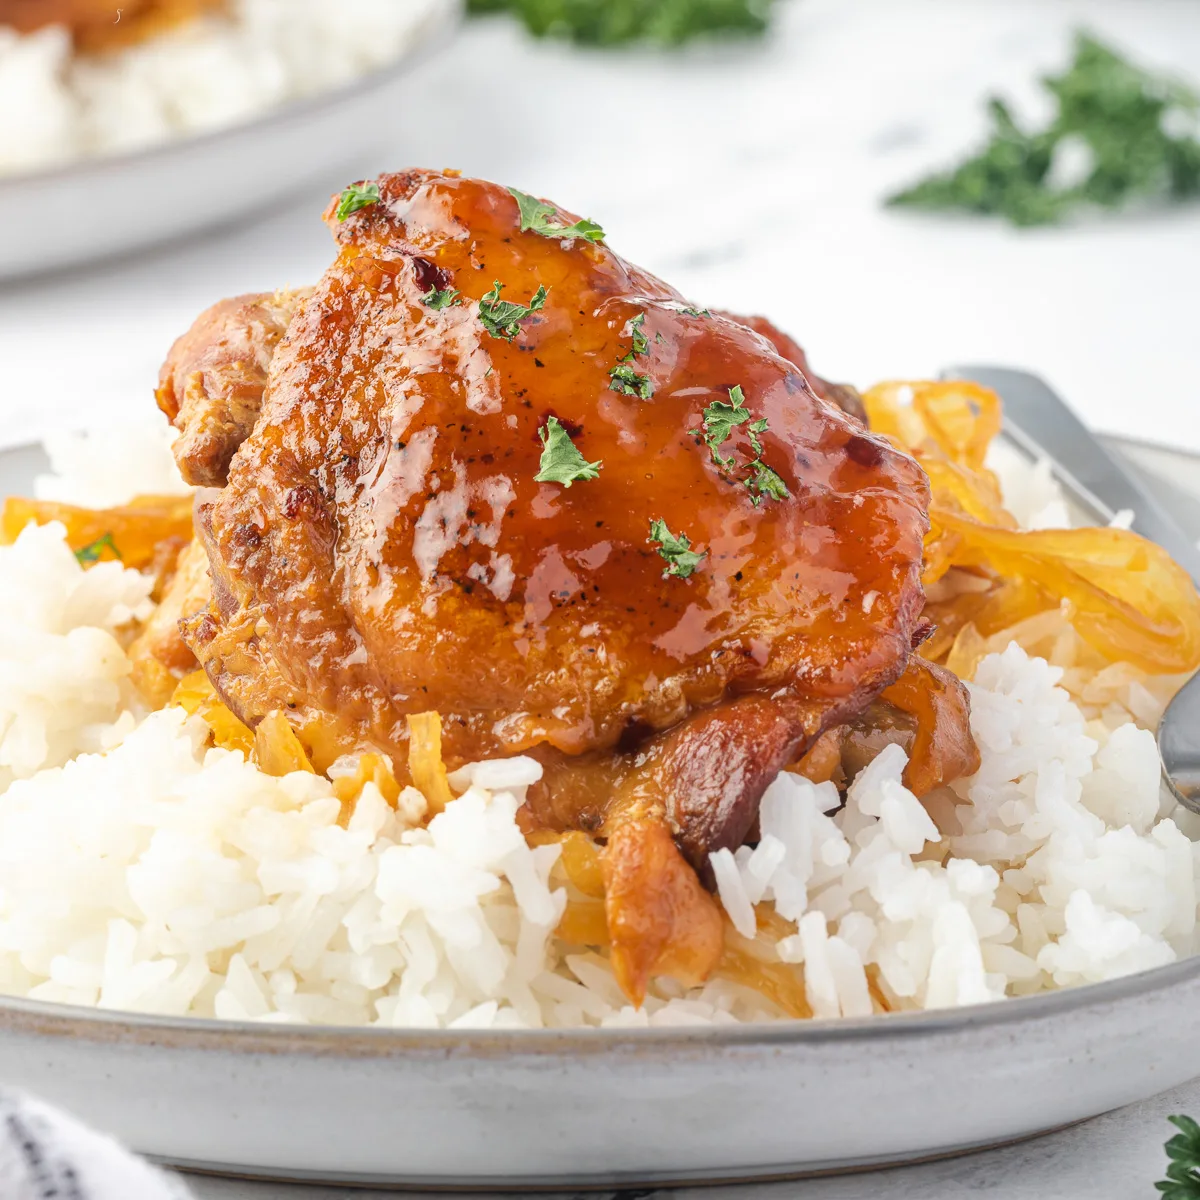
623	378
695	312
561	462
641	343
681	559
93	550
766	482
752	432
502	318
719	422
535	218
356	196
439	298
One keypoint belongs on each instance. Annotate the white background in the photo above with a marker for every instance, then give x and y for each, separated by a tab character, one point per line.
749	177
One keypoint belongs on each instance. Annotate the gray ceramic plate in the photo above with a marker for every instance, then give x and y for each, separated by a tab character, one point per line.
598	1108
97	207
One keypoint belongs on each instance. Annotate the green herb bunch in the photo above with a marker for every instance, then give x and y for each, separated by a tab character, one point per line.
1127	119
618	22
1183	1174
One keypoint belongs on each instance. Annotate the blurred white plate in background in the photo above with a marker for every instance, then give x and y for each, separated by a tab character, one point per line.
102	206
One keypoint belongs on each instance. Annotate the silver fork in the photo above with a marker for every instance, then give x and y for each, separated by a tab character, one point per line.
1041	423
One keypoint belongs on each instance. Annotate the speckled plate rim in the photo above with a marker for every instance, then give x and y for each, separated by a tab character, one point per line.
435	31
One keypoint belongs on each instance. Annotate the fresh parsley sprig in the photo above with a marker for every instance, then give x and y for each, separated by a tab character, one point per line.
93	551
752	432
502	318
439	298
764	482
677	551
623	378
536	218
641	343
1183	1173
356	196
561	461
719	421
1121	116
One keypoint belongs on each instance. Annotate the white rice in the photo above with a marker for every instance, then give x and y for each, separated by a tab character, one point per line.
61	664
212	72
96	469
163	877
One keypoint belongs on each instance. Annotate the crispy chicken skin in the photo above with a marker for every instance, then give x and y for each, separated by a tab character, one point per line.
841	394
211	385
380	546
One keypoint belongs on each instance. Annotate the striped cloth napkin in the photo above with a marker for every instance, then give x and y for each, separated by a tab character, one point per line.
47	1155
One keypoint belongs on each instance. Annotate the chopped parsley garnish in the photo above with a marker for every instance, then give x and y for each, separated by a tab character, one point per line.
356	196
536	218
623	378
1183	1173
719	422
439	298
93	550
561	462
765	482
681	559
502	318
617	22
641	343
752	432
695	312
1130	133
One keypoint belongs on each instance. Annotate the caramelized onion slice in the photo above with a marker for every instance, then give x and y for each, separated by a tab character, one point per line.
661	921
425	760
1125	595
943	749
277	749
196	695
1129	599
136	529
953	417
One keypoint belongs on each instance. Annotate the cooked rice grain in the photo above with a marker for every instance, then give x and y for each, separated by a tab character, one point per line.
165	877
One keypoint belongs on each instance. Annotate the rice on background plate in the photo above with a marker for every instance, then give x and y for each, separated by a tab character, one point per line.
141	871
215	70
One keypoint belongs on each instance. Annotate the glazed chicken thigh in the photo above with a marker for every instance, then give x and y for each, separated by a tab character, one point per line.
501	474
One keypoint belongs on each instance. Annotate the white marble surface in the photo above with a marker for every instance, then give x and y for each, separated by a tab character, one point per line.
750	177
1115	1157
